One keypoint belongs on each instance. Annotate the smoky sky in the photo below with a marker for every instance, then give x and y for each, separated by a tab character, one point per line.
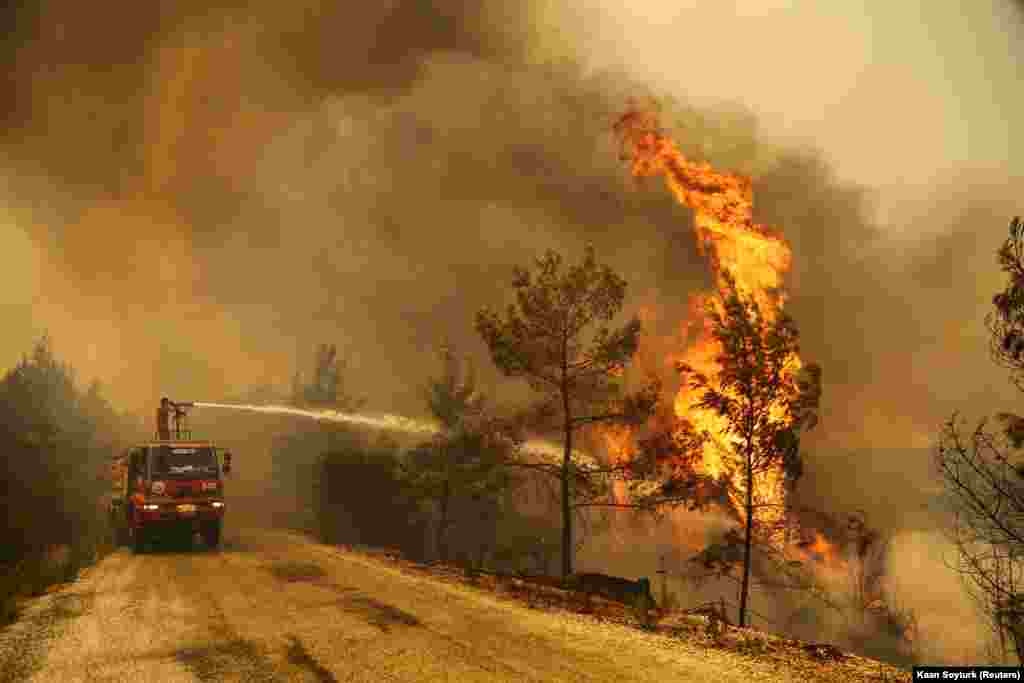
196	195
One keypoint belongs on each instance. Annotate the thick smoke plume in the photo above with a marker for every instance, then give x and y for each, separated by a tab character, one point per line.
192	196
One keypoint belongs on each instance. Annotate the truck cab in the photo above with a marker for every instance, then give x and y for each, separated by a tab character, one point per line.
169	488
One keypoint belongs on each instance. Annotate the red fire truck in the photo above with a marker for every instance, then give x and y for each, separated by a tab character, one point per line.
169	488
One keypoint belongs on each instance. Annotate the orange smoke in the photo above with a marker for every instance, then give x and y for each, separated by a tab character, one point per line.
132	257
756	258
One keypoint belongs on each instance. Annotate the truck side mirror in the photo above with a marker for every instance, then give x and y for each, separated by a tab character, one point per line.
227	462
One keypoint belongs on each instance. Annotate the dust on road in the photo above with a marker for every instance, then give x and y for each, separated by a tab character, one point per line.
273	606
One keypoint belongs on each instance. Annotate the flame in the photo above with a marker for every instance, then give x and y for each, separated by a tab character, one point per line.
619	441
756	257
822	548
824	555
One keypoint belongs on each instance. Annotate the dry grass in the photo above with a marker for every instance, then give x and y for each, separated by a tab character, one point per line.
810	662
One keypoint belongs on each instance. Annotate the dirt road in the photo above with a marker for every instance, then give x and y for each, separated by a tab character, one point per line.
272	606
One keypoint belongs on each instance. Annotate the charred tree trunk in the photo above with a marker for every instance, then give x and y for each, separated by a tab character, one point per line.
566	460
442	523
566	509
745	587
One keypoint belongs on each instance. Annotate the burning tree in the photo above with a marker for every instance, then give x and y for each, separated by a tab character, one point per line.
762	404
748	396
547	337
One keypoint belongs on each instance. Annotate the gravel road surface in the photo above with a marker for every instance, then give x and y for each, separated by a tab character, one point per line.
274	606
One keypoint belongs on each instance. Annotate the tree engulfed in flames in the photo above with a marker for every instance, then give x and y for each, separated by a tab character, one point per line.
755	257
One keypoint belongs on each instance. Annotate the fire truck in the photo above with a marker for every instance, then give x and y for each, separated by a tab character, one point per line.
169	488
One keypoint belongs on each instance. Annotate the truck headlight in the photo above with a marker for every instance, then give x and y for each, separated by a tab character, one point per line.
150	506
217	504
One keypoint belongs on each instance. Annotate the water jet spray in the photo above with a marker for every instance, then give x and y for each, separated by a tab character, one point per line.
385	421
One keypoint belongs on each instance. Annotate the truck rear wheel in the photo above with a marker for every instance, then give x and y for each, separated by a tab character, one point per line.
138	541
211	535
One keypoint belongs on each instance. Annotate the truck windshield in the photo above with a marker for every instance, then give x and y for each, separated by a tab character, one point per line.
179	462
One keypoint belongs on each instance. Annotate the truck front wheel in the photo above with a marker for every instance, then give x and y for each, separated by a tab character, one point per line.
211	535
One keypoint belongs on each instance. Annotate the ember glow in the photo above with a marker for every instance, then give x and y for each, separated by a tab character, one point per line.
823	551
754	255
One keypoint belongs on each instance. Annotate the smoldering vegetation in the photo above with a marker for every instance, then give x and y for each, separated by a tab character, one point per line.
210	192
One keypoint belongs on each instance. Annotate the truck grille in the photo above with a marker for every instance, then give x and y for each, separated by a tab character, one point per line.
183	492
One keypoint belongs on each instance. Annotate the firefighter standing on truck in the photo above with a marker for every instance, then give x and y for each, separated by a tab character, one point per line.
163	419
